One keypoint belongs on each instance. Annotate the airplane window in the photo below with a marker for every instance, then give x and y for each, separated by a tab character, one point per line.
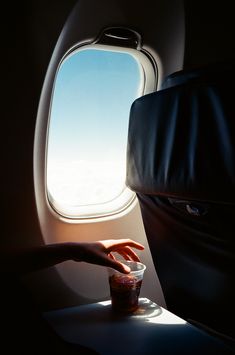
87	136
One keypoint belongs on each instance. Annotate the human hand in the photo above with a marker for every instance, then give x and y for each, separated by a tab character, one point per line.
101	252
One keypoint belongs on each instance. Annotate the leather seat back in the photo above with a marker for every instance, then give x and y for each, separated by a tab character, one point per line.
181	164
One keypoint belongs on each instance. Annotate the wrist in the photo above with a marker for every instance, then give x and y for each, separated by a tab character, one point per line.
70	251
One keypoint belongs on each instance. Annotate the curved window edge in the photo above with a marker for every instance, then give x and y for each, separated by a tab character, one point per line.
126	200
113	212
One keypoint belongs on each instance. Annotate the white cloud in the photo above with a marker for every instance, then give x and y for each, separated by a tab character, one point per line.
79	183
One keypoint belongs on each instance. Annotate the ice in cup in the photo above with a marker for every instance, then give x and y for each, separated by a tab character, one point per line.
125	288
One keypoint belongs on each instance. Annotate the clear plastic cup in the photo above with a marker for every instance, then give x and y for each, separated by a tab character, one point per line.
125	288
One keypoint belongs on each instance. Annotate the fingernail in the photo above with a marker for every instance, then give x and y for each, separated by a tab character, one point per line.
127	269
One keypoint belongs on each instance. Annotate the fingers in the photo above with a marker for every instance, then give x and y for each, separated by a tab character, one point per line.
128	254
102	253
131	243
116	244
118	266
122	247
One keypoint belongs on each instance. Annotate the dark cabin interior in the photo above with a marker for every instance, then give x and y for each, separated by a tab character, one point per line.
30	30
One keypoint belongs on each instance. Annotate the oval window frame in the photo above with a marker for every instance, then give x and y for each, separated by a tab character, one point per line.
127	198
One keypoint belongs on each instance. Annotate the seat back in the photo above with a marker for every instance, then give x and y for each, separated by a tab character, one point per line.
181	164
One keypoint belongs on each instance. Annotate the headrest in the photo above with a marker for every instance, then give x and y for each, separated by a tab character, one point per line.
181	139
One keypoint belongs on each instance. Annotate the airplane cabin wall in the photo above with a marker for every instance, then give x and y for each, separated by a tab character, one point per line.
30	30
162	33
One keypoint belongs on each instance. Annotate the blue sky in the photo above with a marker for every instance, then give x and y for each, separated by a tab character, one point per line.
93	93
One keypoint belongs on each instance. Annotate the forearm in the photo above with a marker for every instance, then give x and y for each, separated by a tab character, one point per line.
34	259
42	257
99	253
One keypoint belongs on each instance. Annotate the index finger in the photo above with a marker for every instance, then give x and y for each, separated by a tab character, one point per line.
125	242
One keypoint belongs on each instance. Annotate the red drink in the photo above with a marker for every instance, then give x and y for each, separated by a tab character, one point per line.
124	290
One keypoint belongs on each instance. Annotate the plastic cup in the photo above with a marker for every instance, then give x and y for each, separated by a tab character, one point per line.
125	288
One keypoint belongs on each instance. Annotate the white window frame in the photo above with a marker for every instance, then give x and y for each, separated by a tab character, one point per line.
127	198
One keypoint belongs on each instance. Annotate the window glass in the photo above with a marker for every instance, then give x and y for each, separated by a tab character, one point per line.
87	139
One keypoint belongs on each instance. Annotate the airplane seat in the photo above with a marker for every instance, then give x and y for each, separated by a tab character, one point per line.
181	164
